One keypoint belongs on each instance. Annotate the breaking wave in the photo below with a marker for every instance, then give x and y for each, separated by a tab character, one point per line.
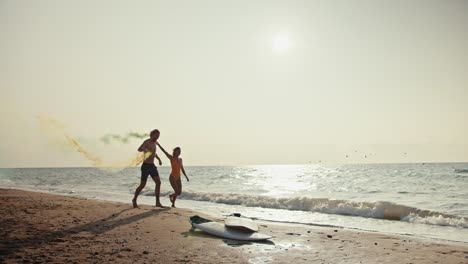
377	210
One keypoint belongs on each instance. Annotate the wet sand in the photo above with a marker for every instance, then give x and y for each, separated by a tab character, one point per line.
47	228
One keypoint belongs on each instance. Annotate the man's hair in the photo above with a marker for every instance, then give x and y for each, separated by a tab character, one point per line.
154	131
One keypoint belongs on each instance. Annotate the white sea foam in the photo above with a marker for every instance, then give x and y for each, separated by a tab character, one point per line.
439	219
377	210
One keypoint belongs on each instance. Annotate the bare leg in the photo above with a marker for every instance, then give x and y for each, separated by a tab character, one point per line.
179	187
178	190
157	191
137	192
173	196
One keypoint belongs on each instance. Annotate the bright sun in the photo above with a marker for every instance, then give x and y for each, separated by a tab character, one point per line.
281	42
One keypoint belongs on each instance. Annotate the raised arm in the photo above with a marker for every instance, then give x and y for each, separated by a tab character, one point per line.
165	152
183	170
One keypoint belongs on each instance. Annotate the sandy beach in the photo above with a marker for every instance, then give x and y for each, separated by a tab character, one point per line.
48	228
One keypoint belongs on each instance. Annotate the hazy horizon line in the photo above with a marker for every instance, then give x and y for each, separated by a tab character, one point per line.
252	165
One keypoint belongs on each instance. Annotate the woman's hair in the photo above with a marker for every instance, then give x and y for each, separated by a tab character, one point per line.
175	149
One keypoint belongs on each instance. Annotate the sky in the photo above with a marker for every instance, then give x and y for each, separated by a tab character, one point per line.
236	82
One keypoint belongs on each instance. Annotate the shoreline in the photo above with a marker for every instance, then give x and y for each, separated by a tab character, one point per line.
44	227
352	229
267	221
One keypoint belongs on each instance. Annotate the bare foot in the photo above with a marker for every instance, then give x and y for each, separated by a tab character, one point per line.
159	205
173	206
134	203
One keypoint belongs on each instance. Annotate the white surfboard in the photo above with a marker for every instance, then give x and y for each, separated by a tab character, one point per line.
221	230
241	223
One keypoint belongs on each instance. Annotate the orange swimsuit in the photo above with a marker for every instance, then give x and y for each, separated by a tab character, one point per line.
176	167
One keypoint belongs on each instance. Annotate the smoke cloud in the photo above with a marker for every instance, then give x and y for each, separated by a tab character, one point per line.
107	139
56	128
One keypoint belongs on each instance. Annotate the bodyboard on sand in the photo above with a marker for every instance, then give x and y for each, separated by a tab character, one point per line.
241	223
221	230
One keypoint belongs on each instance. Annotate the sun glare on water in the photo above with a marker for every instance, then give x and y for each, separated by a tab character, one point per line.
280	180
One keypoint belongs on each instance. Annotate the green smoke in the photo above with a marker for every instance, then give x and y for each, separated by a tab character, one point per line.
109	138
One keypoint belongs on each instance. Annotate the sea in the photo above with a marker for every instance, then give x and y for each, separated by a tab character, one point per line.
426	200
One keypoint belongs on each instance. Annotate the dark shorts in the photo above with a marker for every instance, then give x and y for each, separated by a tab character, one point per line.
148	169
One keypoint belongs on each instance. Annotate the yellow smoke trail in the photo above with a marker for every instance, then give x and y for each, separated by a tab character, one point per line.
138	159
50	124
77	146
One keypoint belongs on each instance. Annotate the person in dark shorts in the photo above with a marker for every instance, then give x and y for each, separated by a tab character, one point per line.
148	168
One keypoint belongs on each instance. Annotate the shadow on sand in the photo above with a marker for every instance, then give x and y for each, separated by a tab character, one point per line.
97	227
